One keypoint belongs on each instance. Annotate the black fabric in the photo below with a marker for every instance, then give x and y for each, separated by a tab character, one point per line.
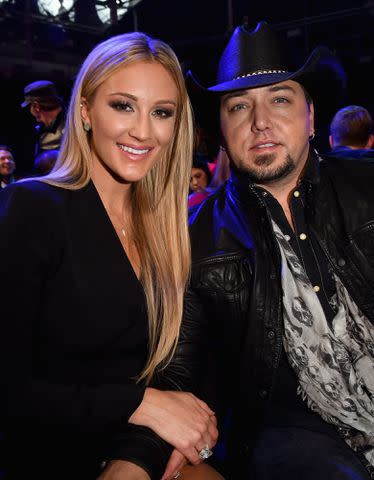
286	407
314	456
236	282
73	338
348	153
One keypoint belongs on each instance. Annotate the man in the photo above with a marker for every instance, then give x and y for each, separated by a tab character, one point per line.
46	107
352	134
283	268
7	166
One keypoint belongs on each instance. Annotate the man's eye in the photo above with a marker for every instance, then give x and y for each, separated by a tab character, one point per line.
122	106
237	107
281	100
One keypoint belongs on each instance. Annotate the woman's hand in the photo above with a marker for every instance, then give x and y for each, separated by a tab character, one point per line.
179	418
123	470
175	464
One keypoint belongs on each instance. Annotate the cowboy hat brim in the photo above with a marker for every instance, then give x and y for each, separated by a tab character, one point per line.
321	62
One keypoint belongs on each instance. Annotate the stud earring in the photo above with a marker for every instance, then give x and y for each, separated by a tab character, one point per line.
86	126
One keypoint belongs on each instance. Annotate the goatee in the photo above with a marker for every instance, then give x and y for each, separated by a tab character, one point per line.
264	173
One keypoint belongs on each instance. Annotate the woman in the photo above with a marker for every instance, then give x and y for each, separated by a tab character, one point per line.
96	258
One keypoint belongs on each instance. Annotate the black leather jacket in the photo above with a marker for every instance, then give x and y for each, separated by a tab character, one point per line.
236	288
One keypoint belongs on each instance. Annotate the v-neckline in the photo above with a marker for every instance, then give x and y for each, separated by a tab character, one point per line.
113	231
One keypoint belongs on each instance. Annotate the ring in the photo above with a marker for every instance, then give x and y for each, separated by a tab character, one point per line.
205	453
177	475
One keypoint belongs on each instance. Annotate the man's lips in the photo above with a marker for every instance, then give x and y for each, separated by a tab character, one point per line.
264	145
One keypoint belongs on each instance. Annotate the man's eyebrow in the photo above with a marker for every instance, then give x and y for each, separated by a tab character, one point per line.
237	93
277	88
243	93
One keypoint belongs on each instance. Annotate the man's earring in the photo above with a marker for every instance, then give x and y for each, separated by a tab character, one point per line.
86	126
311	136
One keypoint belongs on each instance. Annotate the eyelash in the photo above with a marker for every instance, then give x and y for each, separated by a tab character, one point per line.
281	100
162	113
236	108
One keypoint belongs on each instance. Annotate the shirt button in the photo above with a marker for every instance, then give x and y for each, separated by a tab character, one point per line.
302	236
287	237
271	334
296	193
316	288
341	262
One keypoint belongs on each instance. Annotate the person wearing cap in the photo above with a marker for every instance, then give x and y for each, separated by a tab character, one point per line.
46	106
352	134
283	274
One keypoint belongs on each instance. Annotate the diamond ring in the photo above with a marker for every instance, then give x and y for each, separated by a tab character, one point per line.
205	453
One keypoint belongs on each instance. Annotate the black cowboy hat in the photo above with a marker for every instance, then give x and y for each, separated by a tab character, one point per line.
258	58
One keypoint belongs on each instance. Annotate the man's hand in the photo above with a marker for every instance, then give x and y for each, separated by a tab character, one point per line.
123	470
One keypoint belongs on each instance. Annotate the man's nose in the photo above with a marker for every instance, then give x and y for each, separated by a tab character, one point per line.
261	117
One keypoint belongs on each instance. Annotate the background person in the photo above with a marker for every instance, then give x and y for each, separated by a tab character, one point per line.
45	161
352	133
87	335
7	166
46	106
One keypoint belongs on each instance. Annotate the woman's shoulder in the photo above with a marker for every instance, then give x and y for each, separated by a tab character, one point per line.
32	196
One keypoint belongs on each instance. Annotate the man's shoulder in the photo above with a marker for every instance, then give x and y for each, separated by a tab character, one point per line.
203	210
359	166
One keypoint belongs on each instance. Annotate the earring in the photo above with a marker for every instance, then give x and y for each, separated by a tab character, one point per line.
311	136
86	126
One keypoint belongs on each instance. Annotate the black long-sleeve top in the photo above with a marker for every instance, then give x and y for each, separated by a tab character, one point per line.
73	338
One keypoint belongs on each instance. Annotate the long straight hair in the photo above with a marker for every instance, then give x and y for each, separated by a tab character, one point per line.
159	200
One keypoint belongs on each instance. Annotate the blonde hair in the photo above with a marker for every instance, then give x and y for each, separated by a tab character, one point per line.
159	199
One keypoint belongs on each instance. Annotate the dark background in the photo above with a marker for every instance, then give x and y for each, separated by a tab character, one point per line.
34	47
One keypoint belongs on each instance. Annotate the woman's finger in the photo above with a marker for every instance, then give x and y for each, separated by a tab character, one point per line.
175	464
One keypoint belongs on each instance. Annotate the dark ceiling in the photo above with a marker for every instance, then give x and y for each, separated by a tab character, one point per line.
34	47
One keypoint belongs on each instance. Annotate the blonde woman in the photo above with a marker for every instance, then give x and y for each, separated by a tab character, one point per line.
95	261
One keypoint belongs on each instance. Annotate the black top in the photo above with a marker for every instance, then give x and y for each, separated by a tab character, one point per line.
73	332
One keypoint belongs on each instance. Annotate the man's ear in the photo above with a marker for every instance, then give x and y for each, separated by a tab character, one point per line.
370	142
311	118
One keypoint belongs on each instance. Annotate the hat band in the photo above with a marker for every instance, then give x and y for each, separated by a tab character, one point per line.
260	72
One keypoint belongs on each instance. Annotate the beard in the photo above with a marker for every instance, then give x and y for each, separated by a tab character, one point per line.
262	172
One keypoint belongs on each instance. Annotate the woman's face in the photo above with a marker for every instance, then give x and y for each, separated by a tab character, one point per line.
132	116
199	180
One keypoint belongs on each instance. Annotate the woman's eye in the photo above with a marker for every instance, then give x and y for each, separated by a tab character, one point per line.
122	106
163	113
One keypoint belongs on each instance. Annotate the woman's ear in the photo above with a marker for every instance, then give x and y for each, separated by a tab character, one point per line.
84	110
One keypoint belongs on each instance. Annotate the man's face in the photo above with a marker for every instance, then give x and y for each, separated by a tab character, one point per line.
7	164
37	112
266	130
